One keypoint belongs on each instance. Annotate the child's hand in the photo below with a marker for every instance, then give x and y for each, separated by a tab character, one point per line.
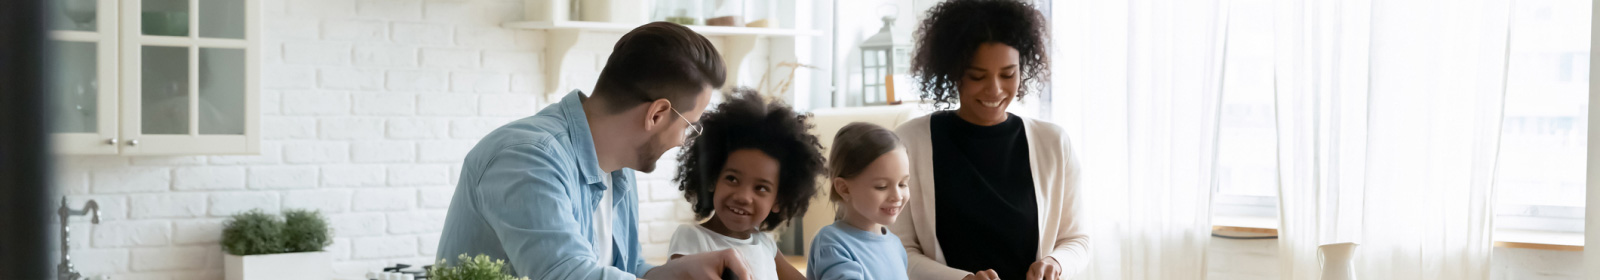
987	274
1045	269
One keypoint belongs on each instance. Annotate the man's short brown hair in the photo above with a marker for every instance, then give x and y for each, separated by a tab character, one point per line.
659	60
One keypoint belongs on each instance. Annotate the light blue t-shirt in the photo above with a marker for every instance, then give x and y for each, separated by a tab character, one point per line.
841	251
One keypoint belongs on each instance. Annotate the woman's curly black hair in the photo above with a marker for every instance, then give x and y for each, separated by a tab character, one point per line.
954	29
748	121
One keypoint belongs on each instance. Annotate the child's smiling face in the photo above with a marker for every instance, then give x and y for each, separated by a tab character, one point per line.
746	189
879	192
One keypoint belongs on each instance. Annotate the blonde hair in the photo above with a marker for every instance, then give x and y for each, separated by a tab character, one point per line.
855	147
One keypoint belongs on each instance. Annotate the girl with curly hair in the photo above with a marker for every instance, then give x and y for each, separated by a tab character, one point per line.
750	167
993	195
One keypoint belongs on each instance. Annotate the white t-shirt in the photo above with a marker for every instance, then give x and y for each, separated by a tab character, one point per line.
759	251
603	214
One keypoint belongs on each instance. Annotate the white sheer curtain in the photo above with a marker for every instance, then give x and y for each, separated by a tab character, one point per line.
1136	82
1388	117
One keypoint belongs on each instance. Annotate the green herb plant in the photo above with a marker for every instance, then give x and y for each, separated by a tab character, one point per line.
305	231
474	268
256	232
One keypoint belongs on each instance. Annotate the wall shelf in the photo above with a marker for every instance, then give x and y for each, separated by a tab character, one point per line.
708	31
564	36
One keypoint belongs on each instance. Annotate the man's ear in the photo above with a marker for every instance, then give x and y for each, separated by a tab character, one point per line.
657	113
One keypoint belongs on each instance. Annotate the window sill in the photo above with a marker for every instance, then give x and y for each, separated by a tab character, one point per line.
1503	238
1249	225
1540	240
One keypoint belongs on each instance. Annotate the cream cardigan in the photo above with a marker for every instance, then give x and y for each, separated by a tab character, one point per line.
1055	180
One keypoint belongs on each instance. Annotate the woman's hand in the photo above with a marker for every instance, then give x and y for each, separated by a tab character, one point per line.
987	274
1045	269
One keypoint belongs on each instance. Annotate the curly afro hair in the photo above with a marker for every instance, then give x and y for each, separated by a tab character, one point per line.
954	29
748	121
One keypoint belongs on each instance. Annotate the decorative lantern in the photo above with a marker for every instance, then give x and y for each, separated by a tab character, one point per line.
882	57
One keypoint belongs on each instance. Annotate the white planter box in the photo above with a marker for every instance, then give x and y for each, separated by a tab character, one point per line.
307	265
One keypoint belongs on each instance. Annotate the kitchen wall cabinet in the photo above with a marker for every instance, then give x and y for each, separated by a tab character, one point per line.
156	77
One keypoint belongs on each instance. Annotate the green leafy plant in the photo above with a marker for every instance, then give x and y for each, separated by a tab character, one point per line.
474	268
305	231
255	232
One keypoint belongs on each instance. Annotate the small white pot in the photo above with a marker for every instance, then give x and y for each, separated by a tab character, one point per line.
1338	261
307	265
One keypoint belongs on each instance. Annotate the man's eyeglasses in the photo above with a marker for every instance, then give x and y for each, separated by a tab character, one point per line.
692	125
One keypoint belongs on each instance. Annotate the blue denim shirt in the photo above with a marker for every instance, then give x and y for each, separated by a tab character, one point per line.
527	194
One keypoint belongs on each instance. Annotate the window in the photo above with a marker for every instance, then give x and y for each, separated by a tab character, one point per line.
1540	179
1540	176
1247	168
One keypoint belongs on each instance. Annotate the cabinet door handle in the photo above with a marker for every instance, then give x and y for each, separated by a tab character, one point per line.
112	141
133	142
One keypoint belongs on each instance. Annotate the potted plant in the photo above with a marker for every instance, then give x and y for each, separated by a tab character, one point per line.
475	268
266	246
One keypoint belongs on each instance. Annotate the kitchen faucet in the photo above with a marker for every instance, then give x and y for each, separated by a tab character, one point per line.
65	271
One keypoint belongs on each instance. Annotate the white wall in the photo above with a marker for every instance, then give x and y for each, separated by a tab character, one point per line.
368	109
1258	259
1592	229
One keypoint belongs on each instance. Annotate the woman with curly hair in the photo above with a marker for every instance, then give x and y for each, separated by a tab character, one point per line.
750	167
993	195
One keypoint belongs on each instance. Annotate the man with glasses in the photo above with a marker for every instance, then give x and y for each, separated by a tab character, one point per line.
554	194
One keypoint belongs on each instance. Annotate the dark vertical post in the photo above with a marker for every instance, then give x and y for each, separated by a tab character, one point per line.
26	248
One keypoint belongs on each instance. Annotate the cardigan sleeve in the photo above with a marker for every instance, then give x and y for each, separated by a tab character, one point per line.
1072	240
919	265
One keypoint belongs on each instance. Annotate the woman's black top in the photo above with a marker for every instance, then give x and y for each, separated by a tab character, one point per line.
987	217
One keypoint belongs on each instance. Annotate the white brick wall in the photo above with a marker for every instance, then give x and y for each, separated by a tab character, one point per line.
350	128
368	107
383	151
131	234
378	247
353	176
202	178
168	205
197	231
224	204
129	180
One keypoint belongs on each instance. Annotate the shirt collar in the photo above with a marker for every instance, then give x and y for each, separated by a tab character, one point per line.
582	138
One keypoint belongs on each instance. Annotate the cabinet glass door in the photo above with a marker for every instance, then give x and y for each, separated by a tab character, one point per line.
74	15
76	87
196	77
164	17
83	81
222	19
164	90
222	91
222	69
